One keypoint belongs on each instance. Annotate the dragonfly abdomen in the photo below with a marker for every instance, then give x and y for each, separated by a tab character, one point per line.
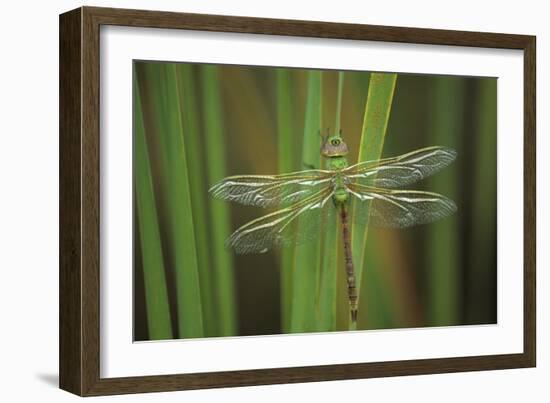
350	271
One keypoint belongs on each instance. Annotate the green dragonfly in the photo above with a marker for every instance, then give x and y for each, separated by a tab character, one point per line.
368	191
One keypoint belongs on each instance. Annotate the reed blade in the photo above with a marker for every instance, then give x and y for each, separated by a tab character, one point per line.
375	123
156	293
443	256
285	161
307	256
481	284
331	246
220	226
199	201
165	119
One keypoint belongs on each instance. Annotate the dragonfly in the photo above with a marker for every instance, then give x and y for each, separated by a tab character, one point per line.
367	193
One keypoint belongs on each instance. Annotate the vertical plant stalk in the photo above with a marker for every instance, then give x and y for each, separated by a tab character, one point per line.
190	323
443	255
199	201
331	241
219	212
285	162
307	256
337	119
378	305
180	237
484	194
375	123
156	293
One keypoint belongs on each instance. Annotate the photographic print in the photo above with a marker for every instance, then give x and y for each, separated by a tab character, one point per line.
275	200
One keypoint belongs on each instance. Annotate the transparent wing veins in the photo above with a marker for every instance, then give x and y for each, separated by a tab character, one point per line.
399	208
275	229
402	170
271	190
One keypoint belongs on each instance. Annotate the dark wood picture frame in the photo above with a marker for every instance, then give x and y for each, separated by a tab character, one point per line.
79	200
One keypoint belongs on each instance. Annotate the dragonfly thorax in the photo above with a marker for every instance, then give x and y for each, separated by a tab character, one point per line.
340	195
337	163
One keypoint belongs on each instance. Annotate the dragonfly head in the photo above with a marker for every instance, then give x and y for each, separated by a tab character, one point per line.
334	146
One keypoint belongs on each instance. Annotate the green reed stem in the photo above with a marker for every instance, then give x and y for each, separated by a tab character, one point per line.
307	256
331	242
165	118
220	226
484	198
156	294
448	125
375	123
199	200
285	161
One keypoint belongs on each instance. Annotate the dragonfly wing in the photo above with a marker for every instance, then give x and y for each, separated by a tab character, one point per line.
402	170
272	190
398	208
291	225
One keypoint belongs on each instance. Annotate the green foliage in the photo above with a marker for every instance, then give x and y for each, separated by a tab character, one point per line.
164	117
328	287
307	256
444	264
285	162
156	295
189	111
220	227
484	198
373	134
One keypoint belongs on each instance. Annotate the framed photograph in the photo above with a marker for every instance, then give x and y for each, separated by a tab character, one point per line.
249	201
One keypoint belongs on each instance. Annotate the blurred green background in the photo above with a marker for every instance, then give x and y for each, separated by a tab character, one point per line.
195	124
